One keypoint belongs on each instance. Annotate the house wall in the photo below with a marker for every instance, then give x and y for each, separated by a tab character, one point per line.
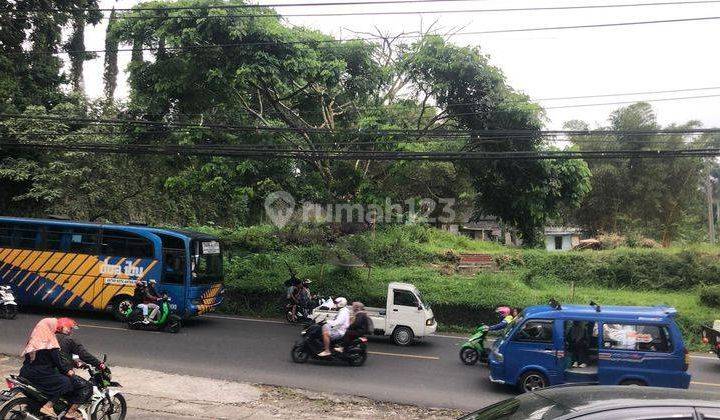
567	240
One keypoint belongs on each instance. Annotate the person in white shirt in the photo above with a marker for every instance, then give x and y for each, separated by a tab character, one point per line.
336	328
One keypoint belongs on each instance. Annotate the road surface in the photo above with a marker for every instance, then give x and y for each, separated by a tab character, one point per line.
428	373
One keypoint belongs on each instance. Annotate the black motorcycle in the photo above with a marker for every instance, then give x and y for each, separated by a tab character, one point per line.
311	344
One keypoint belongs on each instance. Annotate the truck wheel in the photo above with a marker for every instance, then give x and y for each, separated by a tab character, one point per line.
532	380
119	307
402	336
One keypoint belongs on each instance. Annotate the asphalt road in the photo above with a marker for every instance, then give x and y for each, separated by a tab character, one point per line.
428	373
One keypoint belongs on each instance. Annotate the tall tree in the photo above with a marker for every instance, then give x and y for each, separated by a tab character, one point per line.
111	58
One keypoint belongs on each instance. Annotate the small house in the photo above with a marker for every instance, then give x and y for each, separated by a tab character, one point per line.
561	238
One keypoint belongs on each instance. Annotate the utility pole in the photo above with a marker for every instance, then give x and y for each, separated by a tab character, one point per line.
711	221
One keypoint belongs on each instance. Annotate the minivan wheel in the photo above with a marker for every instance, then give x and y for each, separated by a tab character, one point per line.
635	382
532	381
403	336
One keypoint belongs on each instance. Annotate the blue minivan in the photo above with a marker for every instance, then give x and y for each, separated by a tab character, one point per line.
622	345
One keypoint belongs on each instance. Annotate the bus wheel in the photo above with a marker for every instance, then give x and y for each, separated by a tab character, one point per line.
121	307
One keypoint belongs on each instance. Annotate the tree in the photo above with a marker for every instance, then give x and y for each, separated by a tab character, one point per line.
652	196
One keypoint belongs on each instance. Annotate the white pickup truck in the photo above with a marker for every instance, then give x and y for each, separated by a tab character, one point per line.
404	318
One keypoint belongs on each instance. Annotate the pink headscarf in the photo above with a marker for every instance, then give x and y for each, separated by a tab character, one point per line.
42	337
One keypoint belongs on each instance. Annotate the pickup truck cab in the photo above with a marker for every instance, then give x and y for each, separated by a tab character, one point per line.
404	318
625	345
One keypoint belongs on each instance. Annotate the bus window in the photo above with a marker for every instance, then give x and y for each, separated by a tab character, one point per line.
125	244
173	260
56	239
83	241
25	236
207	262
5	235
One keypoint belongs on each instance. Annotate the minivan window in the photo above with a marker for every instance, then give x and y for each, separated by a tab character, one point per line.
637	337
536	331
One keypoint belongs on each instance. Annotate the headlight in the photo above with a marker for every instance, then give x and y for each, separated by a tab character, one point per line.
430	321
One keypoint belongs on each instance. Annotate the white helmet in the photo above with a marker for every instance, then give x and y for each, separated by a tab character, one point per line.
340	302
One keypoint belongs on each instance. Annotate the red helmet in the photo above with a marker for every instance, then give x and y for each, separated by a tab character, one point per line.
63	323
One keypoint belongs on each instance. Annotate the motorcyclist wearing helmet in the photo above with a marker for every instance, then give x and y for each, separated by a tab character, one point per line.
505	314
82	389
336	328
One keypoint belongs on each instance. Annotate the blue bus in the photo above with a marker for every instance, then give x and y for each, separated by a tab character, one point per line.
624	345
90	266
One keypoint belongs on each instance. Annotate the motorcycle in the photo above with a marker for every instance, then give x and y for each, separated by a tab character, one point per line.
8	306
105	403
166	320
303	315
473	350
311	344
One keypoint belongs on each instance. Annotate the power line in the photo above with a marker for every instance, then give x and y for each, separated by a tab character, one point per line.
375	38
404	12
632	102
377	132
249	6
254	153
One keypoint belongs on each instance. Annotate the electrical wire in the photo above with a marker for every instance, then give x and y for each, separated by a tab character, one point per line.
373	38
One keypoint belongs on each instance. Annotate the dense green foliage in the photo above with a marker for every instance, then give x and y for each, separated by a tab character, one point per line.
427	258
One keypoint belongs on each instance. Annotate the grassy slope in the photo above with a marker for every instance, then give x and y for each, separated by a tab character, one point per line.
426	257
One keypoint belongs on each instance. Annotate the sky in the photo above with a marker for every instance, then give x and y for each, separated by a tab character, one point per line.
544	64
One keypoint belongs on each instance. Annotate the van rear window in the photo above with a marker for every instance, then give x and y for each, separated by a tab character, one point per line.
637	337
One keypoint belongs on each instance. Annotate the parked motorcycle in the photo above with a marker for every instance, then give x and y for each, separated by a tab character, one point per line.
105	403
311	344
473	350
8	306
166	320
303	315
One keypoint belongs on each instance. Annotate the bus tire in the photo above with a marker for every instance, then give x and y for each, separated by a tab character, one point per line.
118	305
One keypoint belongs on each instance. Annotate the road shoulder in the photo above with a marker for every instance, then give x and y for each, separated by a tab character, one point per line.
158	395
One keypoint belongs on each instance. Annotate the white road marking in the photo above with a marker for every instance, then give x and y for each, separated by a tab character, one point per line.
703	357
410	356
704	384
268	321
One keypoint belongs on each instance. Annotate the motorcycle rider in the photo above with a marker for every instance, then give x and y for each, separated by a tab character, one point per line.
359	326
152	298
304	297
145	298
337	327
69	347
505	314
42	366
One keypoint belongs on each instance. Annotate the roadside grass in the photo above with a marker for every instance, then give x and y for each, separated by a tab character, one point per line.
260	257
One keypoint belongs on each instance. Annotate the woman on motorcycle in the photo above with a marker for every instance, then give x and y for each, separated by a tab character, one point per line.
506	318
43	367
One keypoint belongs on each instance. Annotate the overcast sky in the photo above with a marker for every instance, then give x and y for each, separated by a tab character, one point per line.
546	64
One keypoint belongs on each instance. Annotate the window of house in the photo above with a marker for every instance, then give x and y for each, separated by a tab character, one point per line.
404	298
125	244
558	242
536	331
652	338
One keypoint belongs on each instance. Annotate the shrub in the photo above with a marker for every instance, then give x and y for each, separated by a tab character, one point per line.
710	296
611	240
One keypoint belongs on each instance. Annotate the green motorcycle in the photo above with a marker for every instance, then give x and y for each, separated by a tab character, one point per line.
166	320
473	350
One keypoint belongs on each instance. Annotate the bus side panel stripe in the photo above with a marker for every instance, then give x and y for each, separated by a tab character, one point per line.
19	265
101	291
73	280
14	267
8	261
38	255
85	279
110	295
60	276
6	257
